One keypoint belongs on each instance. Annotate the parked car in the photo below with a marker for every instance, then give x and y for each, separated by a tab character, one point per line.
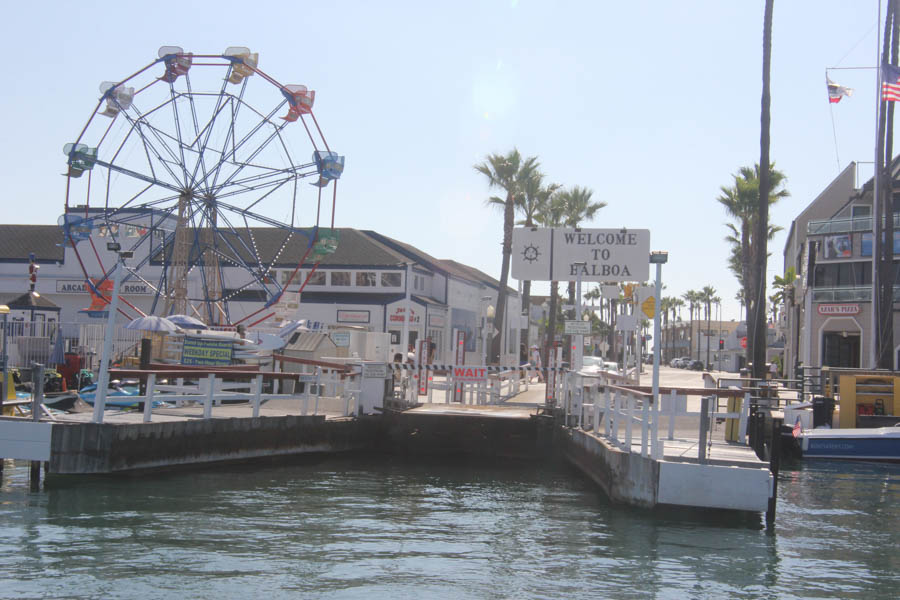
680	362
592	365
595	365
696	365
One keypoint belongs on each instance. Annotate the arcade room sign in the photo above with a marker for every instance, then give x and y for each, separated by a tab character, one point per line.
563	254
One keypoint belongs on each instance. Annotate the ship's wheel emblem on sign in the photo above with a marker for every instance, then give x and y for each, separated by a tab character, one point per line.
531	253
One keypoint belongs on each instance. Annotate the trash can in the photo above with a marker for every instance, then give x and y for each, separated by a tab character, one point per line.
823	411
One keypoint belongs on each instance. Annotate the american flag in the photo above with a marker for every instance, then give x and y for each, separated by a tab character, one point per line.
797	427
836	92
890	83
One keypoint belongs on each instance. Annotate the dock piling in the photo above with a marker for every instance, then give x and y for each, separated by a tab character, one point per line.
37	401
704	429
774	467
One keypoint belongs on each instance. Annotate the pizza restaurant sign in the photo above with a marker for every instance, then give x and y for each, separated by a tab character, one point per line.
838	309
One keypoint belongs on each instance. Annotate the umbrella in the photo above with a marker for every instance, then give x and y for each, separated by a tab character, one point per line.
58	357
186	322
152	323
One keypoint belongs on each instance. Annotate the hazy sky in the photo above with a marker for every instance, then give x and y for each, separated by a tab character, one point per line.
652	105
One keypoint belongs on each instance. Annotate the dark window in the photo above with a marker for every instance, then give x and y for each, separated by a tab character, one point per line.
846	274
390	280
365	278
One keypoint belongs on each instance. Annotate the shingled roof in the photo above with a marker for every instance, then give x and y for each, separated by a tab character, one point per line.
356	248
17	241
441	265
30	300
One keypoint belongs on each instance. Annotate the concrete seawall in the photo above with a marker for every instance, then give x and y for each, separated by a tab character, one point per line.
90	448
626	478
413	433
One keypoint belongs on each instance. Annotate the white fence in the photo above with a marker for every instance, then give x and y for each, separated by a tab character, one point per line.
623	412
437	384
48	341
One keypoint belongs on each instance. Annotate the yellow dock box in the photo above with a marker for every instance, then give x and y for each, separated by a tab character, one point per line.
867	395
733	426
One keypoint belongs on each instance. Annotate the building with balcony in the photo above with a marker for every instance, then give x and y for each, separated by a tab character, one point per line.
828	310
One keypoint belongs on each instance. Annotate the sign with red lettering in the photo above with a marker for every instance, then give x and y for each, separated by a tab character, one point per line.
470	374
459	358
838	309
397	316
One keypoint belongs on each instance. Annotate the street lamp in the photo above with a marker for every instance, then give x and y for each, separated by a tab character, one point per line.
407	312
578	339
4	310
487	325
657	258
105	357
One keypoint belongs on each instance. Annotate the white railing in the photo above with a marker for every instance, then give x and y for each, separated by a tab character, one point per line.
442	387
620	408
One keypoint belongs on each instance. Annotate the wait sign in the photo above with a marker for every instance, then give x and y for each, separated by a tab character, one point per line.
561	254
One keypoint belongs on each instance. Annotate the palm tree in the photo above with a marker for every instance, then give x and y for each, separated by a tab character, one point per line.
756	300
739	296
718	302
551	214
675	307
508	173
707	297
578	209
528	204
783	285
775	300
665	305
691	297
740	202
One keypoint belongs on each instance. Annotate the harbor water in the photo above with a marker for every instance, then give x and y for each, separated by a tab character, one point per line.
389	527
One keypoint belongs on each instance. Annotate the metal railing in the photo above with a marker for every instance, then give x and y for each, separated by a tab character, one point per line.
618	413
844	225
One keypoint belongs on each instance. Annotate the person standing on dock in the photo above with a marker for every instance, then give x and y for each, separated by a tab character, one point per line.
535	364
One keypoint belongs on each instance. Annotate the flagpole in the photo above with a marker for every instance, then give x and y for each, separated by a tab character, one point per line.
877	242
837	156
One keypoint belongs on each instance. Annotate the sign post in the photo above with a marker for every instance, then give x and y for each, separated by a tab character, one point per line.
459	359
422	365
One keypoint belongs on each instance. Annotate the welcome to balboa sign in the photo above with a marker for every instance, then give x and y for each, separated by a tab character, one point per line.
561	254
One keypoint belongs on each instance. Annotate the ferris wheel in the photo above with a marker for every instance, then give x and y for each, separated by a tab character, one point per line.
189	163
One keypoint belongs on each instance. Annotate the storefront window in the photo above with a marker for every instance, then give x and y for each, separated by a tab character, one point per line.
365	279
390	280
286	275
340	278
317	278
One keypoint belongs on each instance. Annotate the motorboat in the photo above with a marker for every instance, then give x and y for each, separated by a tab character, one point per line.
881	443
116	396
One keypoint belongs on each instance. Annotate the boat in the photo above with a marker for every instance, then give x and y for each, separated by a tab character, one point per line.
881	443
116	396
60	400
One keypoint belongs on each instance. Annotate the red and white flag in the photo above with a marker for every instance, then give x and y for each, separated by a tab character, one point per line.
836	92
798	428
